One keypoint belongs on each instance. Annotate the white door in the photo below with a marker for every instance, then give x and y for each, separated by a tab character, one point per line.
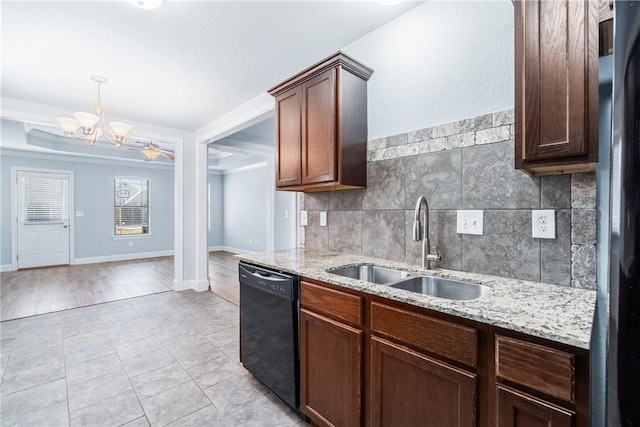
43	219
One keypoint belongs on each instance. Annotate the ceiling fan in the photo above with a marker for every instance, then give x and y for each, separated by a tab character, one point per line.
151	151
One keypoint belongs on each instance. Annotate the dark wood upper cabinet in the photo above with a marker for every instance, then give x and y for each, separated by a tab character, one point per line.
321	127
556	86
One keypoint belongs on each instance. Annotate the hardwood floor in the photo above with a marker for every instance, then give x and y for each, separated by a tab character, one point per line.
44	290
223	271
30	292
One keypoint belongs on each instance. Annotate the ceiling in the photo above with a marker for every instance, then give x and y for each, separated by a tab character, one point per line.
179	66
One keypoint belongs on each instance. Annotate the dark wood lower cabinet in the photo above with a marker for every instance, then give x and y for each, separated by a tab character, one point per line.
411	389
516	409
331	371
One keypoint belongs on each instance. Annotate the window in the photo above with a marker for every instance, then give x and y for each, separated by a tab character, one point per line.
45	199
131	206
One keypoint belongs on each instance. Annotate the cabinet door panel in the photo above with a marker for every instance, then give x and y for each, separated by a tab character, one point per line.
319	142
517	409
410	389
330	371
289	135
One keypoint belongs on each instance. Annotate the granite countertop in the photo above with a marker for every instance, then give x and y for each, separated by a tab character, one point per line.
556	313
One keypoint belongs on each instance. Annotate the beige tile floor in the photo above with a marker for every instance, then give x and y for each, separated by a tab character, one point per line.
163	359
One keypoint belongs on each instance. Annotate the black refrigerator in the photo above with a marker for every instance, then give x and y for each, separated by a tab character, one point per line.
623	362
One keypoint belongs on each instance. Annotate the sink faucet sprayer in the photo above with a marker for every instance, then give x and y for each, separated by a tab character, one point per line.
418	234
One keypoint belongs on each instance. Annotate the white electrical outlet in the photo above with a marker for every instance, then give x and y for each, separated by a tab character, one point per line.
303	218
79	213
543	224
470	222
130	243
323	219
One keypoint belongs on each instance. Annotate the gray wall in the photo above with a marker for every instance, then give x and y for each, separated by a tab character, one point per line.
93	194
466	164
215	211
245	210
284	227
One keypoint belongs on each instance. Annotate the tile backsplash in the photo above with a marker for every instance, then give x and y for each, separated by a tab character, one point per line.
467	164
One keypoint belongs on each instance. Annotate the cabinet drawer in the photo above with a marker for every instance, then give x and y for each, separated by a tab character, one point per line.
541	368
332	303
444	338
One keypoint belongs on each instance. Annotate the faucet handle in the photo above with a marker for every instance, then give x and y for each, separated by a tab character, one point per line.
435	256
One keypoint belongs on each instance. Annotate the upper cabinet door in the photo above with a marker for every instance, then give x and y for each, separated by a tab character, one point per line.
288	135
319	143
556	85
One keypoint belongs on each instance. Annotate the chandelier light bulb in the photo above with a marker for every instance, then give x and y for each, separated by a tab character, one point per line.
119	131
87	122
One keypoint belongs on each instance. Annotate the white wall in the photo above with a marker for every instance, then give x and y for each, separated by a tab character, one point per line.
245	210
437	63
215	211
284	227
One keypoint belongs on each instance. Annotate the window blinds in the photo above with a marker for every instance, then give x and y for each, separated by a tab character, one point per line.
44	200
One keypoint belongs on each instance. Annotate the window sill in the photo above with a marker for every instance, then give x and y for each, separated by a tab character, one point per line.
131	236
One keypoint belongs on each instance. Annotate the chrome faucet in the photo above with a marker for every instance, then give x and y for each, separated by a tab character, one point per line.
418	234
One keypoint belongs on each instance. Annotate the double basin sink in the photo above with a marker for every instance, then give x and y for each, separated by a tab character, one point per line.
426	285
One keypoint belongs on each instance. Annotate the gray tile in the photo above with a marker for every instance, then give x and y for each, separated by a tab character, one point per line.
114	307
267	411
501	118
395	140
476	123
316	201
209	416
316	237
232	351
555	255
408	150
583	190
124	319
214	371
461	140
97	389
138	422
187	339
33	399
173	404
37	323
493	135
506	249
19	377
235	393
433	145
125	335
74	356
93	369
442	233
198	354
161	379
555	192
376	144
224	336
446	129
114	411
345	231
385	185
54	415
419	135
52	356
140	346
583	226
8	330
141	363
583	262
584	284
437	176
383	234
88	339
346	200
489	180
83	328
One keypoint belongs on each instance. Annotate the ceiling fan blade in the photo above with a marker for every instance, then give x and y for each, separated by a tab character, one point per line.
167	155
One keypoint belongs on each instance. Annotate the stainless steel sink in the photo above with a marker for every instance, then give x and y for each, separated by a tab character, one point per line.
370	273
441	288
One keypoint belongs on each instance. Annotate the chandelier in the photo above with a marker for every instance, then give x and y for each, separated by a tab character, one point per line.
92	125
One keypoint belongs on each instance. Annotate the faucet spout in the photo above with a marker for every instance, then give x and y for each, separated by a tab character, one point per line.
420	234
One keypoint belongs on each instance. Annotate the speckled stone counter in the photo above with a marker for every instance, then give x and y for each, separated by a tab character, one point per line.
547	311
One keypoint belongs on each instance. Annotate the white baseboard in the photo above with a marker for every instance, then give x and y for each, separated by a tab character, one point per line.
234	250
122	257
216	248
201	285
6	267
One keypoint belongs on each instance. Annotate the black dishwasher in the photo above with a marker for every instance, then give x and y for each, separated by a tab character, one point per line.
269	330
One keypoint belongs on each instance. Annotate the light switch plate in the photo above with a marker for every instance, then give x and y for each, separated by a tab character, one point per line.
79	213
470	222
323	219
303	218
543	224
